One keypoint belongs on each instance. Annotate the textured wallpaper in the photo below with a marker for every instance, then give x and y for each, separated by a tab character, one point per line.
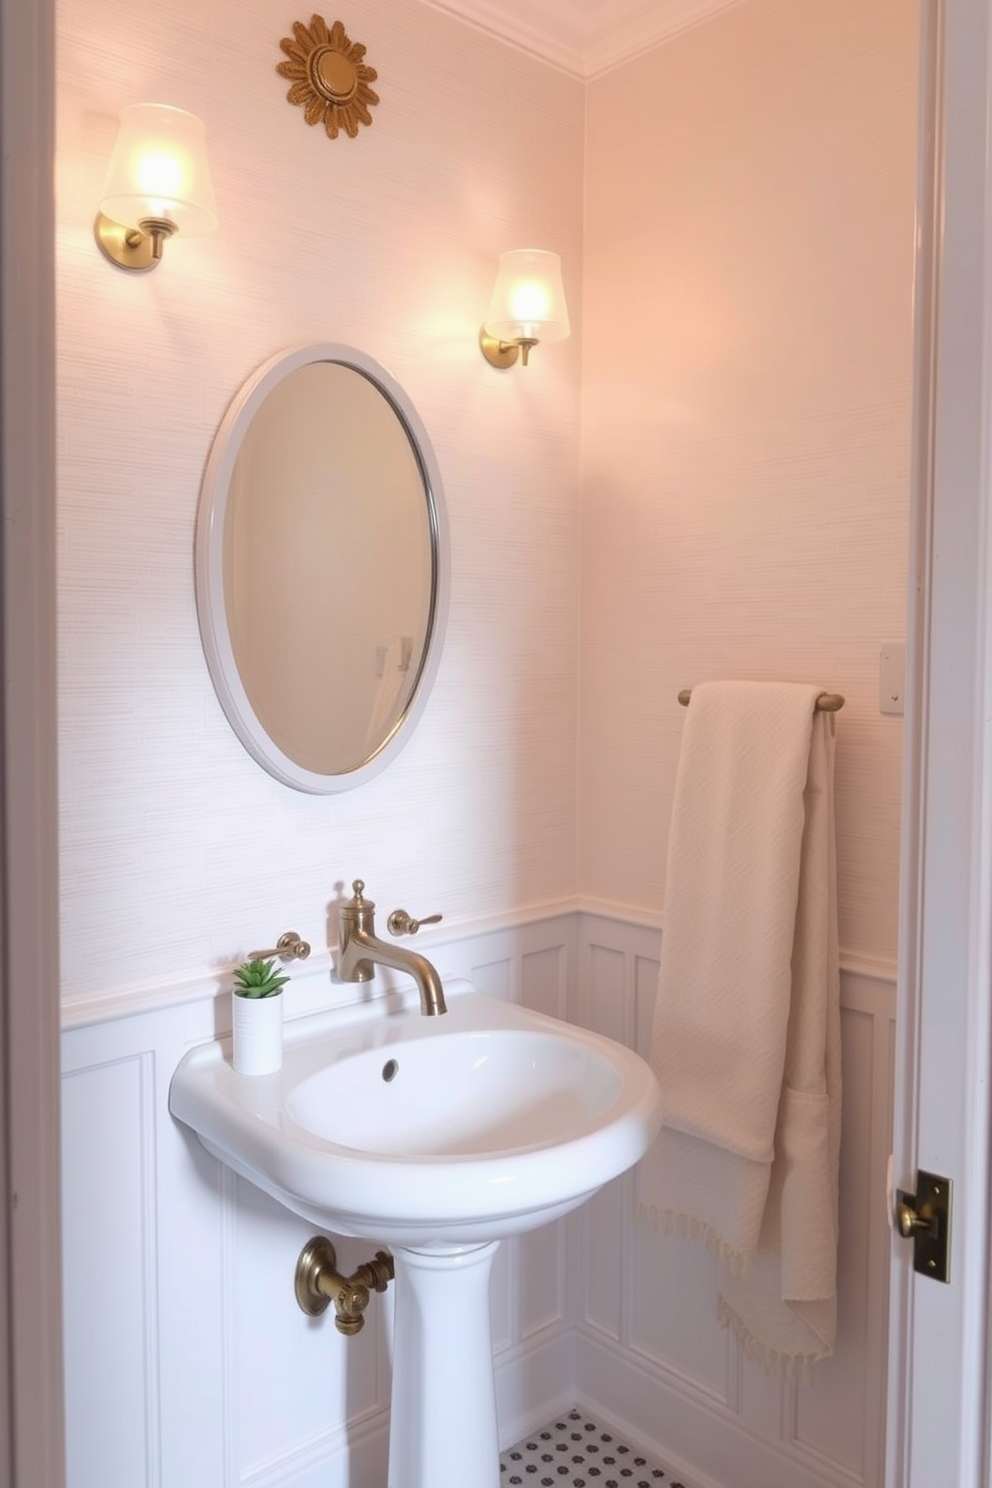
746	413
178	852
734	211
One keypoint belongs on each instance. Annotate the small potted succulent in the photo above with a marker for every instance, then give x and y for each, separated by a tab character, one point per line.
257	1017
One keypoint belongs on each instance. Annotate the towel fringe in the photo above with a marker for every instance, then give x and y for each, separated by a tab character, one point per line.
690	1227
796	1368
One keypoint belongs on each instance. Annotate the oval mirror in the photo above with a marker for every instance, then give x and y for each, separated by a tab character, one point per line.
322	567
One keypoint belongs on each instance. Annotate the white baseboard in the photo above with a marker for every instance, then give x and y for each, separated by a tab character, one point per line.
681	1472
705	1443
357	1453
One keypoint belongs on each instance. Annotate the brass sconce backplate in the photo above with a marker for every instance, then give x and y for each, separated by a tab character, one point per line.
501	354
128	247
329	77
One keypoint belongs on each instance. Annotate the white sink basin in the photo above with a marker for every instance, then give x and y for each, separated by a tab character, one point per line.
421	1131
472	1094
439	1136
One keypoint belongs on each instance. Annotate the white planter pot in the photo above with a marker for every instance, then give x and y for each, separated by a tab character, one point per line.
256	1023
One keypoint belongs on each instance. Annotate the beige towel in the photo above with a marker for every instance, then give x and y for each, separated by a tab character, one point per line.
746	1036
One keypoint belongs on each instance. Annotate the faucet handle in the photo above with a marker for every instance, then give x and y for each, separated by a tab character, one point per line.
401	923
289	947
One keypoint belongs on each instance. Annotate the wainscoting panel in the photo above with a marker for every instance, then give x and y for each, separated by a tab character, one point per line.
665	1332
852	1384
504	1288
109	1268
651	1356
544	981
541	1263
602	1249
309	1372
606	1005
188	1362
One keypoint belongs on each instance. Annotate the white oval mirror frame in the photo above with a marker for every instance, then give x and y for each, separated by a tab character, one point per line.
212	556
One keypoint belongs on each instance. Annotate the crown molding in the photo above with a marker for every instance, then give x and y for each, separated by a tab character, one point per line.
584	38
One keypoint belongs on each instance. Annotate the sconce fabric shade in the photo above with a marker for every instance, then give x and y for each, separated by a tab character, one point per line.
528	300
159	171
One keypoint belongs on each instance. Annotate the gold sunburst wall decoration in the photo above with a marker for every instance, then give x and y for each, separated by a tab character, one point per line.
329	76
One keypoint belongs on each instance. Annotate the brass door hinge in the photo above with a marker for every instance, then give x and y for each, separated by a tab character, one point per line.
925	1218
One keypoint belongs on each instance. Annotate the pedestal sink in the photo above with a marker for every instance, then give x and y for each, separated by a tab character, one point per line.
437	1136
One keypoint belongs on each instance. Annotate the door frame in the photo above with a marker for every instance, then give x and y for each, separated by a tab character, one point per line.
938	1387
31	1385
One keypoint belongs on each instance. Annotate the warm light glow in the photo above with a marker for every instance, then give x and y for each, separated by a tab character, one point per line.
528	301
160	176
159	170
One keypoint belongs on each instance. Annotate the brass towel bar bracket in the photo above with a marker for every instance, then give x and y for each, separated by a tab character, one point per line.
827	702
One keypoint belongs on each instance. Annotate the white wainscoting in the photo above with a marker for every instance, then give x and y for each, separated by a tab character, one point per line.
188	1362
189	1365
650	1355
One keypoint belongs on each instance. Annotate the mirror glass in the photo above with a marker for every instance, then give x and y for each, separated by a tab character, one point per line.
321	567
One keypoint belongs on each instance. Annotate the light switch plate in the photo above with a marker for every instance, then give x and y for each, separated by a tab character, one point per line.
892	677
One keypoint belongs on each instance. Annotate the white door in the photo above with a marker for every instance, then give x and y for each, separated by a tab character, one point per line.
939	1334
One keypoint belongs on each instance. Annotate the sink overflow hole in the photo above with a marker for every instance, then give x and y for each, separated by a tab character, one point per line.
390	1070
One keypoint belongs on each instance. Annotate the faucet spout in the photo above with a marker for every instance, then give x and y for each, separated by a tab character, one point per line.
360	950
361	947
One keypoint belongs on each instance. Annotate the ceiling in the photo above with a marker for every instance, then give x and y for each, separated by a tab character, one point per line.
583	37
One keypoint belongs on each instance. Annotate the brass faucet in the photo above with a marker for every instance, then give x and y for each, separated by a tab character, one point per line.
359	948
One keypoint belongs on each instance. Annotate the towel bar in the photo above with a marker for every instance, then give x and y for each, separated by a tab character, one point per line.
827	702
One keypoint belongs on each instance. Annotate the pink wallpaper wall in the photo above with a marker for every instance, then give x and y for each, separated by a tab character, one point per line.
178	852
746	413
738	257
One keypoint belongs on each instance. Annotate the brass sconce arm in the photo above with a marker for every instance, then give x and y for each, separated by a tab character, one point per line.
503	354
132	247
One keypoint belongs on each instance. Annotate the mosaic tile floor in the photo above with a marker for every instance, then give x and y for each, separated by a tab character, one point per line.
574	1452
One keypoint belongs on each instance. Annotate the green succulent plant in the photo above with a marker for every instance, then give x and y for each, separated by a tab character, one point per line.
258	979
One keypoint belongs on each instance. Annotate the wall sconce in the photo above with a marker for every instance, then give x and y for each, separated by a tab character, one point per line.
528	306
158	182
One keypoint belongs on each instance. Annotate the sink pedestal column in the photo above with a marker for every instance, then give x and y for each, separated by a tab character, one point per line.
442	1431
